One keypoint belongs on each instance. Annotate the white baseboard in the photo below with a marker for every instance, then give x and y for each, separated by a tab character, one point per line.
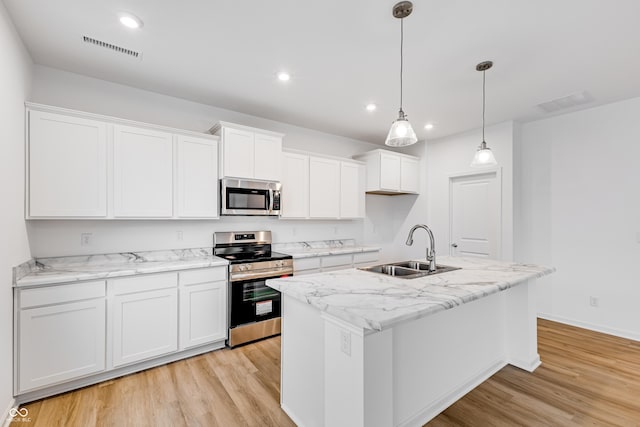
6	419
449	398
592	327
291	415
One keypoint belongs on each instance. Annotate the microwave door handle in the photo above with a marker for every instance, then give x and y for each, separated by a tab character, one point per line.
270	201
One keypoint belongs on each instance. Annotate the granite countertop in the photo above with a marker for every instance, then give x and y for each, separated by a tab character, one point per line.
44	271
376	301
322	248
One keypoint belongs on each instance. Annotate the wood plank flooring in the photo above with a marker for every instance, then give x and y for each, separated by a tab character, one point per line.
586	379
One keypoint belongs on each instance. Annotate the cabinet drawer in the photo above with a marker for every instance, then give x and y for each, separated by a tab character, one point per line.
206	275
365	257
337	260
306	264
61	294
149	282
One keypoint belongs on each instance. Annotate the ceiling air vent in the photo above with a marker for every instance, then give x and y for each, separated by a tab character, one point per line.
113	47
570	101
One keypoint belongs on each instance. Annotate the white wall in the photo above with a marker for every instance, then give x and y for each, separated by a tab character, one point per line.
452	155
57	238
15	80
581	214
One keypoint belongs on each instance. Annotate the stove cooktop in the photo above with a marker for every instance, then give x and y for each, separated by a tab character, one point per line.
245	257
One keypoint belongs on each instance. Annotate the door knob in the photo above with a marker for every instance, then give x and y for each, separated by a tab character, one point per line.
454	245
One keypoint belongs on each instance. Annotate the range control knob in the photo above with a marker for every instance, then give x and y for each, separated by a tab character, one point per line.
242	267
248	266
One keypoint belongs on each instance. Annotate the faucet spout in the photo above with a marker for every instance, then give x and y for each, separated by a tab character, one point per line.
431	250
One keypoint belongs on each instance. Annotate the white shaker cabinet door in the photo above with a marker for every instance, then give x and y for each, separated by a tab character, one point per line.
409	175
145	325
238	153
389	172
67	166
203	314
351	190
60	342
295	185
197	178
143	173
267	157
324	188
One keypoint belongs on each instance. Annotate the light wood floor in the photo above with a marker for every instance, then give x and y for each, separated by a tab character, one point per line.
586	379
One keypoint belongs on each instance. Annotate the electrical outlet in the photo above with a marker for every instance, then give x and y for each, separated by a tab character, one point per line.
86	239
345	342
594	301
179	235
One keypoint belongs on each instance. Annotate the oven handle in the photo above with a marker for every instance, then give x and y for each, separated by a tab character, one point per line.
271	274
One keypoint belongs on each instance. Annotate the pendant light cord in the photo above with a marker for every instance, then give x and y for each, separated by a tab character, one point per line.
401	57
483	102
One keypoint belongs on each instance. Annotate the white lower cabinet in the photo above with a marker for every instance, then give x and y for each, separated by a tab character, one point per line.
144	317
68	333
59	339
203	307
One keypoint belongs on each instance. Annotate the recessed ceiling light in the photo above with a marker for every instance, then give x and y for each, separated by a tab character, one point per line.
283	76
371	107
428	126
130	21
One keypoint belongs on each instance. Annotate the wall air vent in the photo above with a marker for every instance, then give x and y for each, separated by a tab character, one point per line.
113	47
570	101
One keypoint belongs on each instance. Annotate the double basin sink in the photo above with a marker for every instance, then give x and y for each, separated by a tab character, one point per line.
408	269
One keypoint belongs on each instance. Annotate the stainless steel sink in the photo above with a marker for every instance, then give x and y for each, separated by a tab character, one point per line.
408	269
424	266
391	270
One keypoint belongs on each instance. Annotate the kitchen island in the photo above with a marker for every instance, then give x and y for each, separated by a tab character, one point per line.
365	349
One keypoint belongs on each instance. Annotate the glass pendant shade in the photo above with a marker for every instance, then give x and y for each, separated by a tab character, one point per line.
401	133
484	156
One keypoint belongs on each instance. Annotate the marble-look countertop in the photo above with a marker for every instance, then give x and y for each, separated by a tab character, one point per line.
44	271
322	248
376	301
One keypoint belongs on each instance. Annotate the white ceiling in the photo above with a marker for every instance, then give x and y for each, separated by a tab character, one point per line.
343	55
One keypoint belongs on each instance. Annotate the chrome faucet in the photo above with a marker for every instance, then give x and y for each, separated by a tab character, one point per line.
431	250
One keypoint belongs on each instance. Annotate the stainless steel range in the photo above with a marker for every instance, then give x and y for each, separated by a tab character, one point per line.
254	308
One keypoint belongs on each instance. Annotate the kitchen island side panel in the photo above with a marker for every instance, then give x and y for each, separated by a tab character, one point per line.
404	375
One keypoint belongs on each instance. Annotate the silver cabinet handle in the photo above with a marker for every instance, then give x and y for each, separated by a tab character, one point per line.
454	245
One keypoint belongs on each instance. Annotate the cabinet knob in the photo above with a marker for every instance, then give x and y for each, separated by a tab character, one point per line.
454	245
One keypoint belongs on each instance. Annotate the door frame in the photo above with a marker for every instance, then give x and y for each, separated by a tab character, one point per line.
497	171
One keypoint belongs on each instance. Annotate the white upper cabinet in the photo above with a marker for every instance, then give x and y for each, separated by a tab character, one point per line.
249	152
238	153
409	175
143	173
197	186
153	171
67	169
324	188
391	173
352	190
295	185
267	157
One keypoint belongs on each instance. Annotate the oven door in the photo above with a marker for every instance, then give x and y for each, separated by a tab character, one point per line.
253	301
247	197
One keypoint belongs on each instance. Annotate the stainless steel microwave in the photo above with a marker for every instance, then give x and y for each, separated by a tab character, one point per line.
249	197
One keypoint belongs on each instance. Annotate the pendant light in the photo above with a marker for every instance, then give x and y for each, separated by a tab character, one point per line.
484	155
401	133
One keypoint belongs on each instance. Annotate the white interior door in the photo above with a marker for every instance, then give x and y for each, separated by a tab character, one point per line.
474	215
